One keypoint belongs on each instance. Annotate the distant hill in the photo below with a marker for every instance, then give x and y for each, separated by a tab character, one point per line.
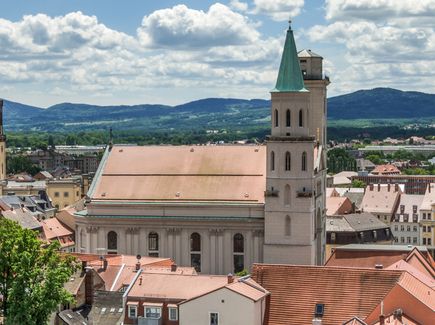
210	113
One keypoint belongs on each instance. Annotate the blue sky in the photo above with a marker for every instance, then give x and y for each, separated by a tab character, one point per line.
130	52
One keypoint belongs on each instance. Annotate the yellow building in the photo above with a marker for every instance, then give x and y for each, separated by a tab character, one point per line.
64	192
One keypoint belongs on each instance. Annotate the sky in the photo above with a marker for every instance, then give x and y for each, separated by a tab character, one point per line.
111	52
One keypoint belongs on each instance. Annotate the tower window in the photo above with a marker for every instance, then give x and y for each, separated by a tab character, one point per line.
195	251
153	244
287	161
304	161
276	118
239	252
288	118
287	195
288	229
112	242
301	118
272	160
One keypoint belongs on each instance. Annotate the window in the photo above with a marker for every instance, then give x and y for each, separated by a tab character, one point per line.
238	252
402	240
424	215
375	235
414	240
153	312
424	228
214	319
408	228
304	161
396	228
173	313
287	195
429	229
414	228
288	119
153	244
301	121
288	226
77	193
272	160
333	237
424	241
429	241
408	240
429	216
132	312
56	194
288	161
276	118
112	242
65	194
402	228
195	251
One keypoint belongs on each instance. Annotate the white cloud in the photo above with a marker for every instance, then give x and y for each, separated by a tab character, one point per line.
279	10
238	5
182	27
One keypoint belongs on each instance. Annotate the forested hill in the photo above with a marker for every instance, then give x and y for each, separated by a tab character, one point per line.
211	113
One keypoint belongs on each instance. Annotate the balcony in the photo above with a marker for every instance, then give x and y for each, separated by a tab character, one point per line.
271	193
304	193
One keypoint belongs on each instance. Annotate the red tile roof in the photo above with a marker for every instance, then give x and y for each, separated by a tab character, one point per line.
345	292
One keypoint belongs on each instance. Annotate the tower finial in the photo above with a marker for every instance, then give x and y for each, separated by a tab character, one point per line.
290	24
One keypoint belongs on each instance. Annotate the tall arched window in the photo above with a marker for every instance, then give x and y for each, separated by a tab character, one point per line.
304	161
239	252
301	118
288	161
153	244
195	251
272	160
287	195
287	226
82	240
276	118
112	242
288	119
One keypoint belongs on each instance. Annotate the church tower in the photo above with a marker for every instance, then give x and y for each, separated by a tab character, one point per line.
296	164
2	146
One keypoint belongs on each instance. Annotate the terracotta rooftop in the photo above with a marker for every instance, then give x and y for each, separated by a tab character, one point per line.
429	197
385	170
344	292
53	229
182	173
380	199
338	205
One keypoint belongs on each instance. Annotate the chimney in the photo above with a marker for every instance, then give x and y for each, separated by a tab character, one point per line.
230	278
89	286
381	320
389	187
371	187
379	187
173	267
84	265
105	263
429	187
137	266
396	187
140	281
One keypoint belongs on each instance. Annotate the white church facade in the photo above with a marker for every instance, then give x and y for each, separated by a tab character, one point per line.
222	208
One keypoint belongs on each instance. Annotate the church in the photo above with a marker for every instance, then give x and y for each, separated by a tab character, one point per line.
221	208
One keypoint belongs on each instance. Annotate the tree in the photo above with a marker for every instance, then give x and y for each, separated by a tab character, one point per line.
18	163
358	183
31	276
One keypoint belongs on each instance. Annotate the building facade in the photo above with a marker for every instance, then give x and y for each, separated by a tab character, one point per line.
222	208
2	146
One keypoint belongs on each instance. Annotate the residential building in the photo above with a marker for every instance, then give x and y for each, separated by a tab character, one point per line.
43	176
406	222
386	170
363	164
64	192
54	230
356	228
334	295
338	205
38	205
381	200
413	184
427	219
222	208
24	218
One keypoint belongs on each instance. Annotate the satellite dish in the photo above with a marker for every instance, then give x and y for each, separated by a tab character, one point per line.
138	256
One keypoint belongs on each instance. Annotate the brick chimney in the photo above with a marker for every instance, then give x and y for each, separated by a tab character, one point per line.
173	267
105	263
137	266
230	278
389	187
371	187
379	187
396	187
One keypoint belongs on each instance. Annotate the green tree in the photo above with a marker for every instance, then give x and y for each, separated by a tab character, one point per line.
18	164
358	183
31	276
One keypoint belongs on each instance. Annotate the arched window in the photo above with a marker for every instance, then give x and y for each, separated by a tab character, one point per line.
288	226
239	252
112	242
153	244
301	118
287	195
288	161
82	240
195	251
276	117
304	161
288	119
272	160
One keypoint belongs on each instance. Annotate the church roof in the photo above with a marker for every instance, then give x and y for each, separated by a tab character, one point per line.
182	174
290	75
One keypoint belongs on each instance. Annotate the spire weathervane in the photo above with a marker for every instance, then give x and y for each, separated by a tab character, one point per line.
290	24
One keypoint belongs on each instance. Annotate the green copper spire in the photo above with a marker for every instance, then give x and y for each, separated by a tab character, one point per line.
290	76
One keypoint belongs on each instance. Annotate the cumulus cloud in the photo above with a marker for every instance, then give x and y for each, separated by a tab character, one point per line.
279	10
386	42
238	5
183	27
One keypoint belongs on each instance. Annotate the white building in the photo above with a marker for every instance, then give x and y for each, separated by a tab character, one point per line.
222	208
